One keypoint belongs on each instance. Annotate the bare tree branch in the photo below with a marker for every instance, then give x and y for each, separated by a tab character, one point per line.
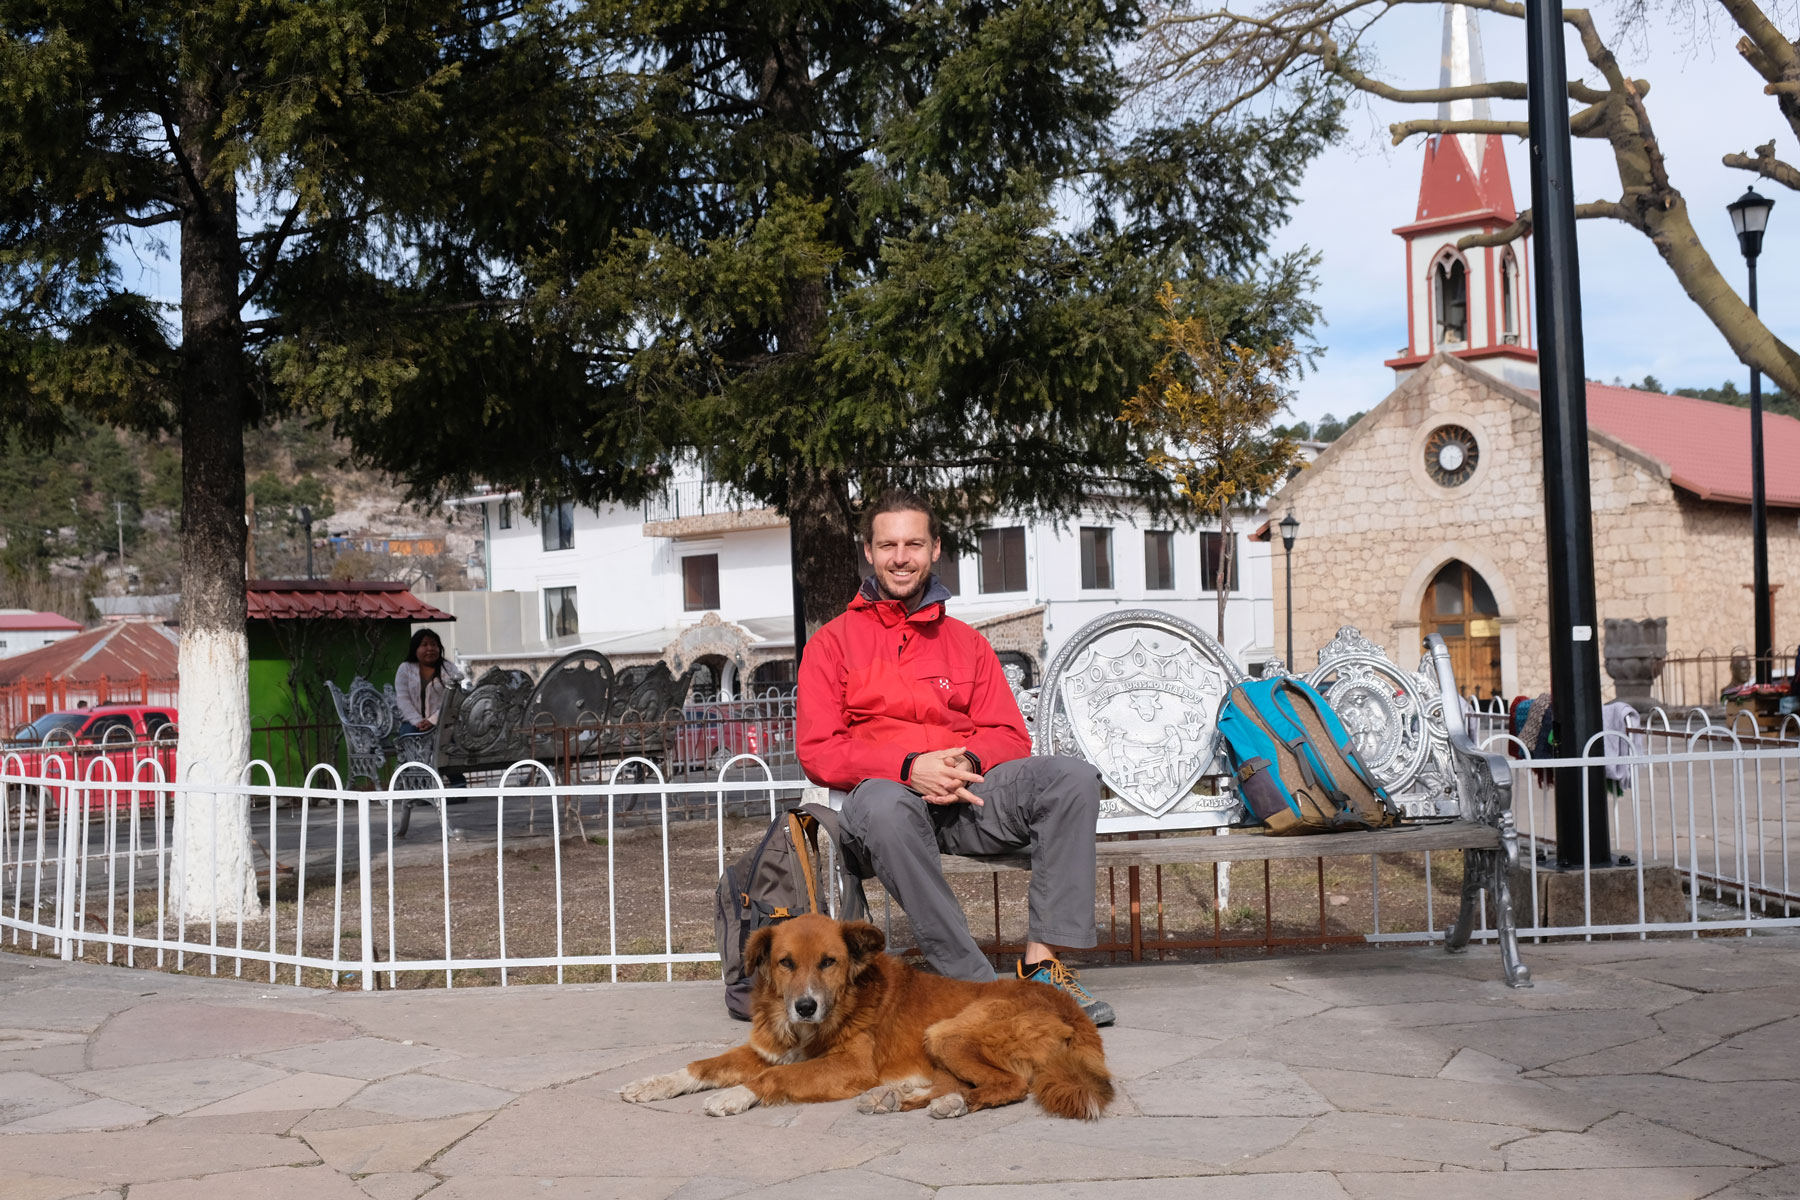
1522	226
1767	165
1401	130
1585	123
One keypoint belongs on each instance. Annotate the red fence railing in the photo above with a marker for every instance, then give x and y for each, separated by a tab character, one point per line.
28	699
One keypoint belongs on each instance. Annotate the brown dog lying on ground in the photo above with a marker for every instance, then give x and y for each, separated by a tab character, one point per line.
834	1017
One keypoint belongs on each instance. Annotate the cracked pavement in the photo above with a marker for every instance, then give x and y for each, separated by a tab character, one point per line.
1663	1070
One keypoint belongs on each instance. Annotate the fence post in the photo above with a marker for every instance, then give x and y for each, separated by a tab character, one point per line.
364	882
67	918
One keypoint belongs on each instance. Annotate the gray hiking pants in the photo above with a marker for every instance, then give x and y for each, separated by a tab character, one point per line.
1047	806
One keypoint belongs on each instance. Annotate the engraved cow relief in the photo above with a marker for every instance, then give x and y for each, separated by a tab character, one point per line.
1141	706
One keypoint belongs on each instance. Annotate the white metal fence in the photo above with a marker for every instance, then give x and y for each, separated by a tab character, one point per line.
532	878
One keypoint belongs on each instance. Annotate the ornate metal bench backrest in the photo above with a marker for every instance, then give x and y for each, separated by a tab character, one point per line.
1396	718
367	723
484	726
1137	694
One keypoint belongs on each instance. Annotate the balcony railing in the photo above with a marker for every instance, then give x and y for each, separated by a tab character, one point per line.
698	498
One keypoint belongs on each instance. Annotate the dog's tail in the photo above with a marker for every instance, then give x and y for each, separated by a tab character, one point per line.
1072	1080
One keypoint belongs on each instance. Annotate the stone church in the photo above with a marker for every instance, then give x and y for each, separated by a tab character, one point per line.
1427	515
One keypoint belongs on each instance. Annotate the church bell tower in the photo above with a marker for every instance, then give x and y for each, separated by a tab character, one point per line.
1475	303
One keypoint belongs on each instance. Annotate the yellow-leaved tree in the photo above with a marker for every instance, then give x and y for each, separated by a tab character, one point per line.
1207	412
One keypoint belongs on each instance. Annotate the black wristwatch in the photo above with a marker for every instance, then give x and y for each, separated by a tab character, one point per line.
974	763
906	765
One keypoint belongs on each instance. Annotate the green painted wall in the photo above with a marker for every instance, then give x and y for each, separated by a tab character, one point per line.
334	650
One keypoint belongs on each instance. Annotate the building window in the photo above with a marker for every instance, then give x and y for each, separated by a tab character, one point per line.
1159	560
559	526
1509	299
1450	291
700	582
561	619
506	514
1451	455
1096	559
1212	549
948	571
1003	559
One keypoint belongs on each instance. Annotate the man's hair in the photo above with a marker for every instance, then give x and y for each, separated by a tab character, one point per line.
897	500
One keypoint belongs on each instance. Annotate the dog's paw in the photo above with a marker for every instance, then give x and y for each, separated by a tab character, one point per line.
889	1097
659	1087
730	1102
952	1105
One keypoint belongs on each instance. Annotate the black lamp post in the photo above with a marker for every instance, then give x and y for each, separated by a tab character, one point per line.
1289	528
306	522
1749	217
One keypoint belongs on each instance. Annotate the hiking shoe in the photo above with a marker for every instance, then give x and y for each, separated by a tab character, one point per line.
1053	973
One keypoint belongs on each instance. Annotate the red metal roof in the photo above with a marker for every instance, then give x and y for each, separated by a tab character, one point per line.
343	600
36	620
120	651
1705	445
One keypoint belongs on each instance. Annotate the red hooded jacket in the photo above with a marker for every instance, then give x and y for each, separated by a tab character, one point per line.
879	683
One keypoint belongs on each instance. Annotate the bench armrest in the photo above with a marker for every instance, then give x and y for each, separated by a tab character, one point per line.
1483	779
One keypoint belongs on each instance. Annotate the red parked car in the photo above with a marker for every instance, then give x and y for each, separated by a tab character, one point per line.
123	734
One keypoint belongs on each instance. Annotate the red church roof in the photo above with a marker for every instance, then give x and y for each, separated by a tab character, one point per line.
1454	189
37	621
1705	445
121	651
331	599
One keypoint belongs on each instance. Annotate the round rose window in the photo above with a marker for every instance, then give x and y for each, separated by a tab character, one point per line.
1451	455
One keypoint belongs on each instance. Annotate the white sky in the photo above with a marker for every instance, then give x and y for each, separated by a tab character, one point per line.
1704	103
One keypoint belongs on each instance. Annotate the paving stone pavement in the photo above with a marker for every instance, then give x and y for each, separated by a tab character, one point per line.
1665	1070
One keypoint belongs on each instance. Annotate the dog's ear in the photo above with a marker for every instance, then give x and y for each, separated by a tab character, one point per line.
863	940
756	950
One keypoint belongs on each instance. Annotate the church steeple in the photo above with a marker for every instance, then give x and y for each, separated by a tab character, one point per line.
1474	304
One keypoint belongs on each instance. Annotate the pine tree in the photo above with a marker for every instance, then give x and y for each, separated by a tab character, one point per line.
844	247
278	150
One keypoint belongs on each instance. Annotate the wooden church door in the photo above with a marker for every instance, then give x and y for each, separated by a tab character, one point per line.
1459	607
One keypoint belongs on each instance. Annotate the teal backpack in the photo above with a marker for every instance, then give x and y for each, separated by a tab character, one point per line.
1296	768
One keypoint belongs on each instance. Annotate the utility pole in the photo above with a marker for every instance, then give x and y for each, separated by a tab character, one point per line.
1581	837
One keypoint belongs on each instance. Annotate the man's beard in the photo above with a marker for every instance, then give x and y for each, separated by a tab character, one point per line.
918	588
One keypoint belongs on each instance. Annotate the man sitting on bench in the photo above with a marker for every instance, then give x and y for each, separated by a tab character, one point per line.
908	710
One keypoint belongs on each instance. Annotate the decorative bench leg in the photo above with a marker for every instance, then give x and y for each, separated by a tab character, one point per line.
1487	869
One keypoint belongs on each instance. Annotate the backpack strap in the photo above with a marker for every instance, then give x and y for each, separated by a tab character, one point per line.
803	830
1303	738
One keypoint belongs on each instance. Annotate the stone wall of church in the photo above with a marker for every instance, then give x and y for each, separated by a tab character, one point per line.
1714	571
1375	528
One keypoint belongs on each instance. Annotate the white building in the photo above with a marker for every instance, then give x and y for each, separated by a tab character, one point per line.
702	576
22	629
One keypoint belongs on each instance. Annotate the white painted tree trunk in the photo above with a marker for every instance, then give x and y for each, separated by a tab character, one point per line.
213	873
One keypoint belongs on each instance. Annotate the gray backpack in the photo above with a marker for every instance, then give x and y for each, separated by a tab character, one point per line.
783	877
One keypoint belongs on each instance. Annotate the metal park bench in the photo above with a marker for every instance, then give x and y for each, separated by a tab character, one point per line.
1137	693
580	711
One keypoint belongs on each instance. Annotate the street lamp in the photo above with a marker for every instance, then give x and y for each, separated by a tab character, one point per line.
1750	217
1289	528
306	520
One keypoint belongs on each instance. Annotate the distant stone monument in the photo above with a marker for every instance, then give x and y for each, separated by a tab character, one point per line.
1634	653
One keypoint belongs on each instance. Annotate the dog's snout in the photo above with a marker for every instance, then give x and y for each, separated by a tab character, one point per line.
806	1006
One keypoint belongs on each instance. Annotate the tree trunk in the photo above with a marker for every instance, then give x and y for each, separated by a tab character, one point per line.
1224	575
827	543
213	873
